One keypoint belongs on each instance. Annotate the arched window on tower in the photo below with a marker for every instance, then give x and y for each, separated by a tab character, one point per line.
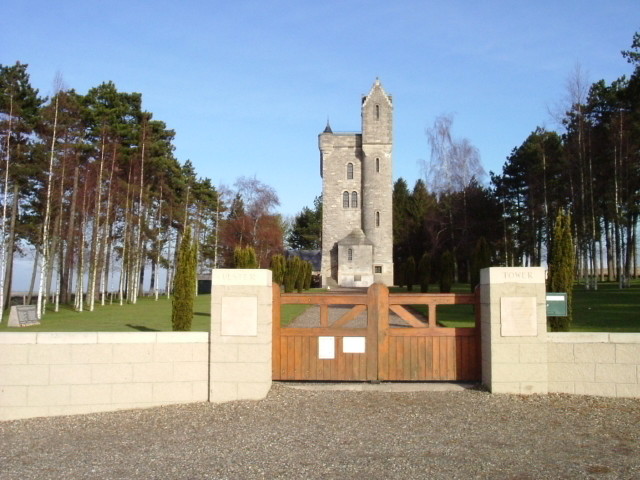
377	219
377	112
345	200
349	171
377	165
354	199
350	254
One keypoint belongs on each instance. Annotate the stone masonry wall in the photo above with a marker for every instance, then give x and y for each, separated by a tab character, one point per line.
371	154
46	374
604	364
337	222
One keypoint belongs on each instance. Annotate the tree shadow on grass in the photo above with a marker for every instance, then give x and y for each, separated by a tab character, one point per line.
142	328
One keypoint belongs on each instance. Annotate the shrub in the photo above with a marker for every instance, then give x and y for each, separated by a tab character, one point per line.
278	267
291	274
301	277
307	275
245	257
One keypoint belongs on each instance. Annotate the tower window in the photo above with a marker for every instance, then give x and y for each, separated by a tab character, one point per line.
377	112
377	269
377	165
354	200
377	219
345	200
350	254
349	171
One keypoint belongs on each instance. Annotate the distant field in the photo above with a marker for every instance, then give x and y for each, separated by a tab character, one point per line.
608	309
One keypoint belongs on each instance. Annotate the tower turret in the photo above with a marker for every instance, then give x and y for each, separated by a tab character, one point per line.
377	178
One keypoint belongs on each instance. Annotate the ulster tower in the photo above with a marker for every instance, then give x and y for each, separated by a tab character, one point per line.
357	185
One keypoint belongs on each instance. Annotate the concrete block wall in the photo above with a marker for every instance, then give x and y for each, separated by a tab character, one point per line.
604	364
46	374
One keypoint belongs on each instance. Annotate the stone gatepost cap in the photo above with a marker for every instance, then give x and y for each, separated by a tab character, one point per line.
495	275
241	277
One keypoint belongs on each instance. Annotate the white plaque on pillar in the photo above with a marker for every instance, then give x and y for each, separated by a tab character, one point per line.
239	316
518	317
326	348
353	344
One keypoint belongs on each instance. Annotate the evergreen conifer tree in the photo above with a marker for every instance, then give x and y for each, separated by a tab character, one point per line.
447	272
291	274
245	257
561	268
424	272
481	259
410	273
278	267
184	287
307	275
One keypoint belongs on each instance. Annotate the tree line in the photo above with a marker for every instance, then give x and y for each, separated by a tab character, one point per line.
90	182
449	224
591	169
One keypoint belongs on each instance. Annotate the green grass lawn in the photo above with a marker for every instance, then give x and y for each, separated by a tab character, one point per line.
147	315
608	309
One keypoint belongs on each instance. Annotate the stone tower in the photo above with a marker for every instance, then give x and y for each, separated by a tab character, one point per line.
357	184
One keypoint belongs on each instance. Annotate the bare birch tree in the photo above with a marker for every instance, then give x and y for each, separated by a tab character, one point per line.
42	292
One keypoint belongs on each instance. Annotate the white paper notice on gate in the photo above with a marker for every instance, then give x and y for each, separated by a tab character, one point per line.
353	344
326	348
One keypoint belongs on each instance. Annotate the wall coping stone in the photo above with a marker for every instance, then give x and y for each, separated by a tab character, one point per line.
68	338
592	337
624	337
17	338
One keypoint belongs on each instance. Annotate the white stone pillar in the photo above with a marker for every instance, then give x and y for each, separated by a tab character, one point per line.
514	330
241	335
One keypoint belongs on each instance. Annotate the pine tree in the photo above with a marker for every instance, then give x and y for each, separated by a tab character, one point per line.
561	268
184	285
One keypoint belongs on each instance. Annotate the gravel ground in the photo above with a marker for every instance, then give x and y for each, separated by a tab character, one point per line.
335	434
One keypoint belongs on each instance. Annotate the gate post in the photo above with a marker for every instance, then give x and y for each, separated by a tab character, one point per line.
241	335
377	325
514	330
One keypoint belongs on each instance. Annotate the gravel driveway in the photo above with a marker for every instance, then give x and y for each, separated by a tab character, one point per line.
337	434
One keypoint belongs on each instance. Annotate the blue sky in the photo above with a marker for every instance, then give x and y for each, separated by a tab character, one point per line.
248	85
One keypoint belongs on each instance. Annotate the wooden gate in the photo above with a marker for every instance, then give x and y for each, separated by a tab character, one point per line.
373	336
